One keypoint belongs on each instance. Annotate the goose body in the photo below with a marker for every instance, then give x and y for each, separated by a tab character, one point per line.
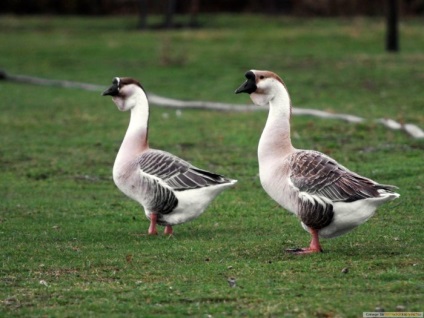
329	199
171	190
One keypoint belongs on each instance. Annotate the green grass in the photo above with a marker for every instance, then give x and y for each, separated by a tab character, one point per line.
64	224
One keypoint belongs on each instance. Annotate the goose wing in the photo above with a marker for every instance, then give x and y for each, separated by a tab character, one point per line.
318	175
321	182
177	173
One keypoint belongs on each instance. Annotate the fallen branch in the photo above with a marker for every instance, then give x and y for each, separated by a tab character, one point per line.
48	82
410	129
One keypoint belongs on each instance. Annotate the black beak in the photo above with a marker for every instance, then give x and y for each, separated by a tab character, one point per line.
112	91
249	86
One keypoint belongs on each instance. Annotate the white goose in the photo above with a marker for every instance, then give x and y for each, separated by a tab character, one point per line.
329	199
171	190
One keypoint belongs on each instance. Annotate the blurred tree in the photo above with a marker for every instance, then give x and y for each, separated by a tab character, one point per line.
142	9
169	14
169	8
170	11
194	11
392	35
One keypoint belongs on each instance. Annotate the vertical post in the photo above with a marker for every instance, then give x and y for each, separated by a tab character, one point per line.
392	37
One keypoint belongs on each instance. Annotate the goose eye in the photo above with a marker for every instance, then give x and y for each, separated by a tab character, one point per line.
261	77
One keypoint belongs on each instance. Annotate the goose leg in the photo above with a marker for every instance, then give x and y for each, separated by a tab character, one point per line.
152	227
168	230
314	247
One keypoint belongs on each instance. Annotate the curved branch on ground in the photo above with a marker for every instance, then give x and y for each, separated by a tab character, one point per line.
410	129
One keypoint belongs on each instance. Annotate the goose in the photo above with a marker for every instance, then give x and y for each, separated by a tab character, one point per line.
329	199
171	190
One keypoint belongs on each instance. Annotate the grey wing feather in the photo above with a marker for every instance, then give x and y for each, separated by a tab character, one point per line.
177	173
157	198
315	173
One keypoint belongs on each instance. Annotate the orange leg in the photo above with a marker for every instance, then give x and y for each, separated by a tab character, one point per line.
314	247
152	227
168	230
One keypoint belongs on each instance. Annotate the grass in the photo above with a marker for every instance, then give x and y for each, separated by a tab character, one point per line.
74	246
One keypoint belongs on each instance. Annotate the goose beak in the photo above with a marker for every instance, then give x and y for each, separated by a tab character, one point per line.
112	91
249	86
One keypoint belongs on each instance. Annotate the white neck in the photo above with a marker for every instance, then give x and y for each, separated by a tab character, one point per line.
135	140
275	140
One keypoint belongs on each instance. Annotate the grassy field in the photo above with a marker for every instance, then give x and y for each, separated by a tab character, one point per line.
73	246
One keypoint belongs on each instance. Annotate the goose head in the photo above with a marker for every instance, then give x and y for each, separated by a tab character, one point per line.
126	93
262	86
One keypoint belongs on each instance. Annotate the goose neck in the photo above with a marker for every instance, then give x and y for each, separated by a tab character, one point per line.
275	139
136	137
